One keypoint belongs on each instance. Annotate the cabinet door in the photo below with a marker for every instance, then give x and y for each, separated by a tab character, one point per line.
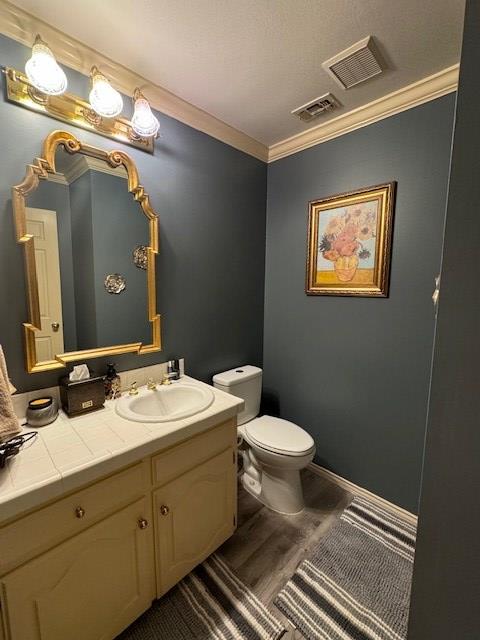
194	514
88	588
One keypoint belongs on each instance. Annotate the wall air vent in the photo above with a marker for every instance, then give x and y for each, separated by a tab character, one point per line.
356	64
317	107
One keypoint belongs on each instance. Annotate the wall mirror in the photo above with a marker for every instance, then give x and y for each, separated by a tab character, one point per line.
90	239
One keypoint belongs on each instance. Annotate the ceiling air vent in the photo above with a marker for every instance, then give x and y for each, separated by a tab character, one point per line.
317	107
356	64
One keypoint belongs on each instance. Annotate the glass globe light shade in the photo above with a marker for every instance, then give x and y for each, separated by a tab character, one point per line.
104	99
144	123
43	70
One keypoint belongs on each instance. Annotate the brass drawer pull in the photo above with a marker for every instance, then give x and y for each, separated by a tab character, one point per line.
142	523
164	510
79	512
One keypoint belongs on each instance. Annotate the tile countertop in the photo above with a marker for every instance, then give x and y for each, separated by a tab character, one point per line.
72	452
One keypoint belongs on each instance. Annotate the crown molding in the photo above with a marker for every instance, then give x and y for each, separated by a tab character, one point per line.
413	95
23	27
81	164
58	178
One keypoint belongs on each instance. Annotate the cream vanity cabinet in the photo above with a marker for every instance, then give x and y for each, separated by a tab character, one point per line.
194	511
84	567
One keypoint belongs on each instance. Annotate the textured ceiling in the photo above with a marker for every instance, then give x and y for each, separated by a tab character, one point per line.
250	62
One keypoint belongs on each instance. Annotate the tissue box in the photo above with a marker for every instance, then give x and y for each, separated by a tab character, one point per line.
82	396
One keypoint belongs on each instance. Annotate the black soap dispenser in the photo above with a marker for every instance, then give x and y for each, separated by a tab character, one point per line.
112	383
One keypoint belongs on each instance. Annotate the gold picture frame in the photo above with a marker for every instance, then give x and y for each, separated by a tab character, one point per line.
39	170
349	243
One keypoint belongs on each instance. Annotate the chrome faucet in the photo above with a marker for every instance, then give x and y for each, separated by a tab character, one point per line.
173	369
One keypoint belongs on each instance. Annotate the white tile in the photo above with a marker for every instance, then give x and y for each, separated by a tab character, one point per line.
115	419
20	403
29	496
124	380
88	471
109	409
32	472
55	430
101	445
159	370
66	441
6	485
92	418
140	377
129	434
72	458
32	450
103	439
86	432
89	429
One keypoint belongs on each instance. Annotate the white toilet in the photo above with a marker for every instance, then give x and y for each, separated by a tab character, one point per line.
274	450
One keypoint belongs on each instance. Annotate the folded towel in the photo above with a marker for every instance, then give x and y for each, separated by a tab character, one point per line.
9	425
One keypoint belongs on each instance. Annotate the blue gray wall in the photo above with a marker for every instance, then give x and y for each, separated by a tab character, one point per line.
354	372
118	226
83	259
211	202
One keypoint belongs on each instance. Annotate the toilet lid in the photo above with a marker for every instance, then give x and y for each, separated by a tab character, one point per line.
279	436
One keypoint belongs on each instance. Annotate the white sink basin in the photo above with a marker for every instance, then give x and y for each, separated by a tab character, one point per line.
169	402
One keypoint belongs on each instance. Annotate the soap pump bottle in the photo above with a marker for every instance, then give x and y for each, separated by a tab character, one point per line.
112	383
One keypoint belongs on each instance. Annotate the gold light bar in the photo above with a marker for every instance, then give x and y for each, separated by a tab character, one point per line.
69	108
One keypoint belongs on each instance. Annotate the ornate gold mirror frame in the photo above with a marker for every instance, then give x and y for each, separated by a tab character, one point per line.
39	170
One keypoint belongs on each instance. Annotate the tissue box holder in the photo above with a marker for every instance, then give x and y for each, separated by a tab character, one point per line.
81	396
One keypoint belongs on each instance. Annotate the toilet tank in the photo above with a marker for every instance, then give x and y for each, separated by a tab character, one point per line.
246	383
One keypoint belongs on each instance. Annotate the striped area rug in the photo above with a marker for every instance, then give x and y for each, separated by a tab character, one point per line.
211	603
356	585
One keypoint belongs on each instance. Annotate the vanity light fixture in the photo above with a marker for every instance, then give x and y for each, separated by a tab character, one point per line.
144	123
43	71
104	99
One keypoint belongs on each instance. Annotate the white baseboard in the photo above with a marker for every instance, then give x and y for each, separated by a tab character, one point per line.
364	493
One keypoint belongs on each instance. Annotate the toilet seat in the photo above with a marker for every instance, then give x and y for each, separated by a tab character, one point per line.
278	436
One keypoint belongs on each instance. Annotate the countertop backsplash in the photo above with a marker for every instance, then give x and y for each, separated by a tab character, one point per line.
140	376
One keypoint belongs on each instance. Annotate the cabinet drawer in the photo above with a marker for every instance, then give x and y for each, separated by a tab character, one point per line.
36	532
182	457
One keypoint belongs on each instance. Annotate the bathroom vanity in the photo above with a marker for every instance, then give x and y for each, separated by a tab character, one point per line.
85	551
104	512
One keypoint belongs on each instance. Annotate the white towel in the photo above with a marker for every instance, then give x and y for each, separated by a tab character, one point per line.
9	425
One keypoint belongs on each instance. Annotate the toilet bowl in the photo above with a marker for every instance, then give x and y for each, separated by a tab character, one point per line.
274	450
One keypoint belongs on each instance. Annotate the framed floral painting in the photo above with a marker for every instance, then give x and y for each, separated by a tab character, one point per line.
349	243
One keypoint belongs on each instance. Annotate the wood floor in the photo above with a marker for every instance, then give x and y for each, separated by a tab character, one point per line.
267	547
